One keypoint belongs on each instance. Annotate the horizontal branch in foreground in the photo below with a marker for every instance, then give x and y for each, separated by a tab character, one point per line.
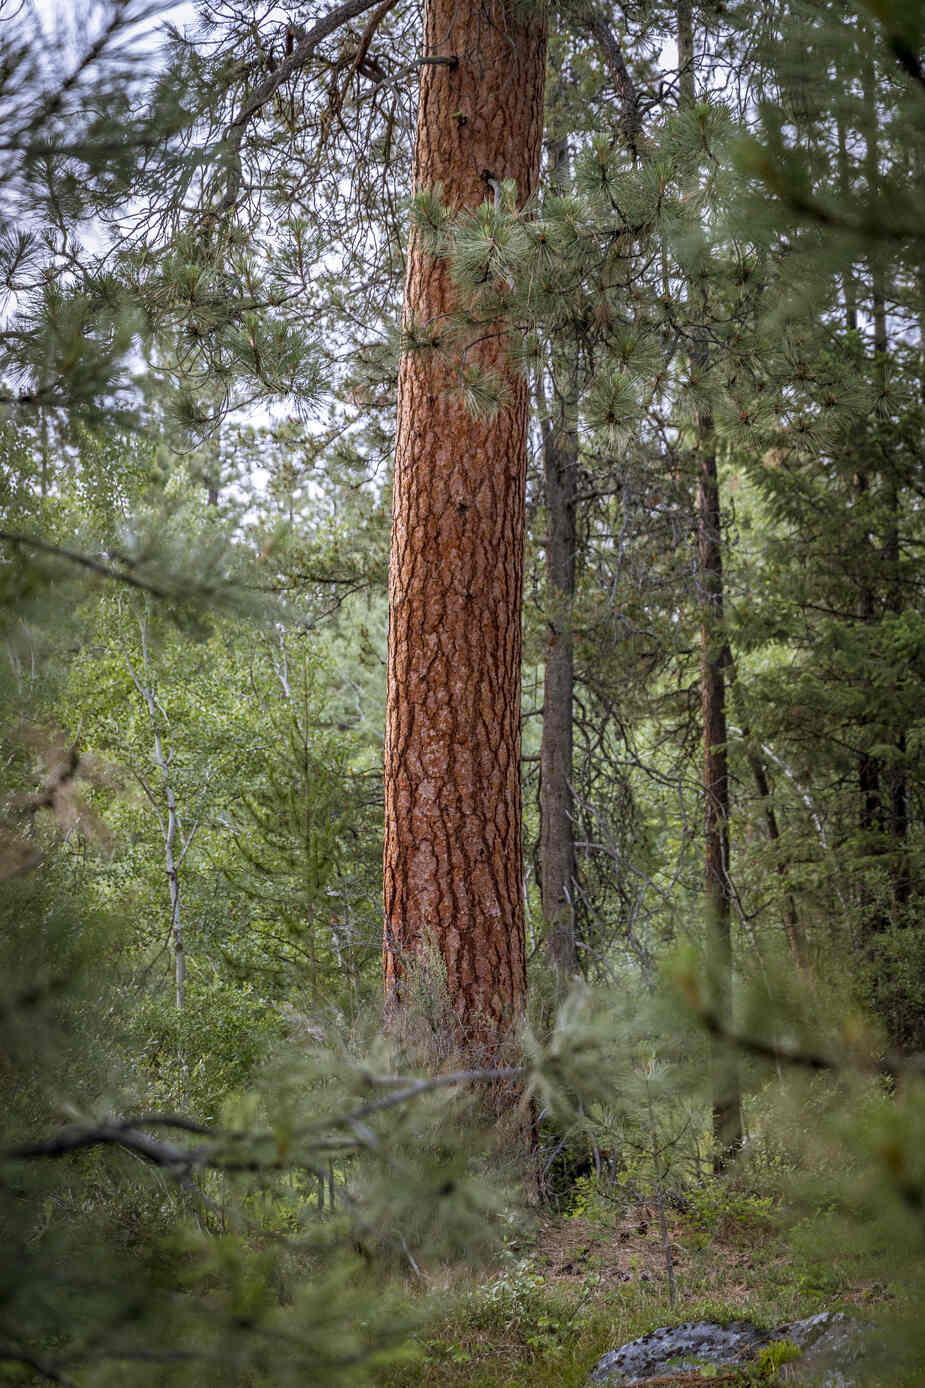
892	1064
220	1152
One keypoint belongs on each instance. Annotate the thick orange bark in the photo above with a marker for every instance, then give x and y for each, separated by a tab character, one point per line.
452	861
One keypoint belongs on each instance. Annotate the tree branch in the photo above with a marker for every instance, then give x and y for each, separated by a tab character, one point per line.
631	120
272	82
363	48
125	1133
76	1139
85	561
890	1065
10	1354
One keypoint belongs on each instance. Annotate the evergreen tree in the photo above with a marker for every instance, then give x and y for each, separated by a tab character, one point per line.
453	879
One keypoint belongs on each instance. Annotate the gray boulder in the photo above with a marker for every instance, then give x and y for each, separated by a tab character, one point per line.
831	1342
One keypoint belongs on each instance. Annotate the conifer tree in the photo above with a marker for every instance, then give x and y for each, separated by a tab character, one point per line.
833	414
452	859
714	657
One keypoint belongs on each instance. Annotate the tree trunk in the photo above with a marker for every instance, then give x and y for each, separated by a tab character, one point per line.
885	809
557	824
727	1109
169	822
687	94
896	779
453	881
794	933
727	1117
795	937
557	836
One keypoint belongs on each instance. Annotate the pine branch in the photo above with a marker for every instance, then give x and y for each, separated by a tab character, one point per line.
77	1139
416	1087
84	561
890	1065
297	59
125	1133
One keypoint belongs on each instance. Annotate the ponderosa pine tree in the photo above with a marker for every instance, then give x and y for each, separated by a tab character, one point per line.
453	881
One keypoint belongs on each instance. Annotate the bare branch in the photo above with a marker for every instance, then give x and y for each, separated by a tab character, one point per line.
76	1139
363	48
631	120
272	82
414	1088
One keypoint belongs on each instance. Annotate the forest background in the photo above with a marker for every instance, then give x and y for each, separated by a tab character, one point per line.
216	1165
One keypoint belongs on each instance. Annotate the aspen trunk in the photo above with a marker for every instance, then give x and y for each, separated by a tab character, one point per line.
453	881
169	822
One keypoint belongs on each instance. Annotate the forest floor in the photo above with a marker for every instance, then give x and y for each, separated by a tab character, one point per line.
573	1287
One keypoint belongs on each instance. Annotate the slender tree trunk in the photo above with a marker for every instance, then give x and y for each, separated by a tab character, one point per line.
727	1108
175	844
727	1116
886	808
895	775
868	766
795	938
849	286
557	826
687	94
173	880
557	829
560	468
453	859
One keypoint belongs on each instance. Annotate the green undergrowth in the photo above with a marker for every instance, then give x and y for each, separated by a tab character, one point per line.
528	1322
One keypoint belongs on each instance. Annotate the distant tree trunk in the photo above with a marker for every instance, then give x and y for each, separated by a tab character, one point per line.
559	435
557	824
884	787
727	1108
795	937
896	776
557	828
849	287
727	1116
686	83
896	773
176	843
453	881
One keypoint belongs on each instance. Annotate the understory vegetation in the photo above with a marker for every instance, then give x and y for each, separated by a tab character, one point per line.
238	1149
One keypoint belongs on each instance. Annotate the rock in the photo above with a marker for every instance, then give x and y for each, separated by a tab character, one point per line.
830	1342
679	1349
